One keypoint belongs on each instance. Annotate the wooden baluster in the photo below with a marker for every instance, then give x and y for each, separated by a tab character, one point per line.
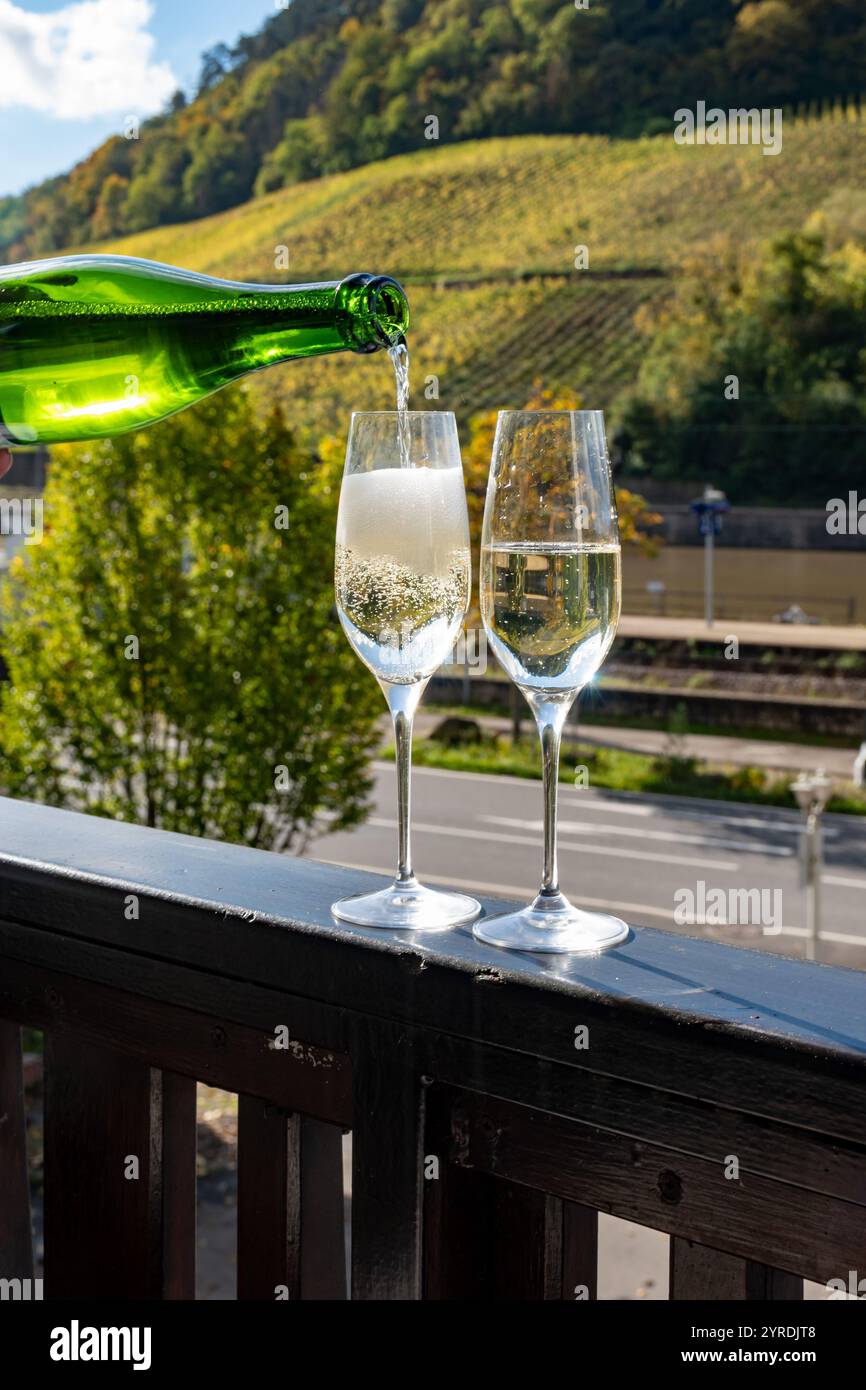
323	1214
269	1202
698	1272
108	1232
16	1244
290	1206
178	1185
387	1157
579	1252
487	1238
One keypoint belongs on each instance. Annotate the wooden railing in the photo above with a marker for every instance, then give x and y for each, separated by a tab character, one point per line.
497	1102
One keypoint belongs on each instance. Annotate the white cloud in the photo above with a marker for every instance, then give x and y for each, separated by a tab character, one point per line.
89	58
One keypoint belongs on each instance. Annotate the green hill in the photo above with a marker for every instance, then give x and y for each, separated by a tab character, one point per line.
484	237
325	86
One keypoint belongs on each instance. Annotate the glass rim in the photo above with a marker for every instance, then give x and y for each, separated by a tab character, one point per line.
549	412
399	414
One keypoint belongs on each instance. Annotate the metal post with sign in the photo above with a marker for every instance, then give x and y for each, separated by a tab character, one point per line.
709	510
657	588
812	790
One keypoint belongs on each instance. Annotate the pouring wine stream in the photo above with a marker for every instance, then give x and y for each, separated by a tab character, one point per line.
399	355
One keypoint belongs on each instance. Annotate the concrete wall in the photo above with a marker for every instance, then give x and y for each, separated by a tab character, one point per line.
780	714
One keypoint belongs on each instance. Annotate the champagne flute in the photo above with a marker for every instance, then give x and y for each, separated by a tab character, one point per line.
402	576
550	601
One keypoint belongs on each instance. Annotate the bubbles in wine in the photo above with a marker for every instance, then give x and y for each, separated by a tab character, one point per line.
550	610
402	589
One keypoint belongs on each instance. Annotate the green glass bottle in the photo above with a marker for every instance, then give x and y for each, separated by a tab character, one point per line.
96	345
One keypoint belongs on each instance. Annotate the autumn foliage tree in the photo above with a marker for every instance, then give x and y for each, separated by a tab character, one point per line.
173	653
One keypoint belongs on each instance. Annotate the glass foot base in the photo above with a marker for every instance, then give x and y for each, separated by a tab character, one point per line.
409	907
552	924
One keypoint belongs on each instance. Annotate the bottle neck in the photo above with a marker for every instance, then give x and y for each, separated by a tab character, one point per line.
359	314
372	311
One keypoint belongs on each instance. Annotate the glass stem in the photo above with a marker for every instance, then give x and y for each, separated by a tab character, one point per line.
403	702
550	716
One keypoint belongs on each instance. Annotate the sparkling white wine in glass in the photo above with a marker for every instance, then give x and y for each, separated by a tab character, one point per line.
401	574
402	568
550	601
551	610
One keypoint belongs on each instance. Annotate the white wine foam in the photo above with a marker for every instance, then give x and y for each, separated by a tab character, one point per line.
550	610
402	568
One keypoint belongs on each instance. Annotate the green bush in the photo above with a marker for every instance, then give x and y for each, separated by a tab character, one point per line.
172	648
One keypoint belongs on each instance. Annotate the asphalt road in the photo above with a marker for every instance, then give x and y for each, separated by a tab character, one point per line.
638	856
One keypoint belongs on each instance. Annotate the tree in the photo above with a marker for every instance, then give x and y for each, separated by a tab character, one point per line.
298	156
173	652
109	215
154	190
755	375
215	63
217	177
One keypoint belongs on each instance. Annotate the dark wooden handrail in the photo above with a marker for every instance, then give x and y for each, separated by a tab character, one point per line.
720	1097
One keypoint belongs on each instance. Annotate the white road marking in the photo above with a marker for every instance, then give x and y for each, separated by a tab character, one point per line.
677	836
840	882
792	826
461	833
625	808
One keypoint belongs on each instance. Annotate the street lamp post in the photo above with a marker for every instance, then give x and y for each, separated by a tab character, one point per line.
709	510
859	772
812	790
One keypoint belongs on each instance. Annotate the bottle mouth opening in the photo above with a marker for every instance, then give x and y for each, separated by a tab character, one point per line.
389	314
372	312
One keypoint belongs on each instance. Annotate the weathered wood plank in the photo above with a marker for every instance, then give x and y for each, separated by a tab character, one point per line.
103	1156
766	1148
716	1010
485	1238
387	1145
768	1222
579	1252
764	1284
700	1273
290	1220
178	1185
269	1202
323	1225
218	996
697	1052
16	1244
206	1047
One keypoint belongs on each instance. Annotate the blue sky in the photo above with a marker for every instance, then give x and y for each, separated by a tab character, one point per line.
71	71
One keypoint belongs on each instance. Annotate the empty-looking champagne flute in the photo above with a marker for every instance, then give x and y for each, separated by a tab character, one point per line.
550	600
402	576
